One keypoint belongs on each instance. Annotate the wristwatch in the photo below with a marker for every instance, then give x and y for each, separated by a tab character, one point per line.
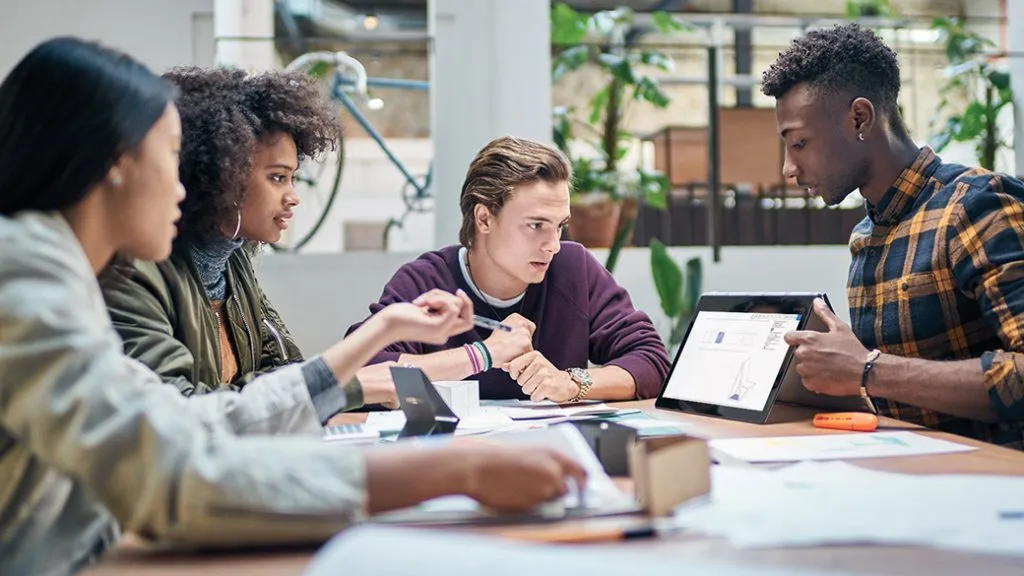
583	379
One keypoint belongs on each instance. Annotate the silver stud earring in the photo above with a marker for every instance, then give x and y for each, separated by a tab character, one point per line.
115	180
860	136
238	226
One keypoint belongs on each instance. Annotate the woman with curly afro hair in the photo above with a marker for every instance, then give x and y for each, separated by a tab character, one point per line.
200	319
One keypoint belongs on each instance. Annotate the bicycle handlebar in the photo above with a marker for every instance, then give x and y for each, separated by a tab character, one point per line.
336	59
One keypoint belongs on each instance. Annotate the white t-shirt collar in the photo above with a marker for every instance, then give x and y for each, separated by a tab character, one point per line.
495	302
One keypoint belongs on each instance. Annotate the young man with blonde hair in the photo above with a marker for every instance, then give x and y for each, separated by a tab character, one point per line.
564	308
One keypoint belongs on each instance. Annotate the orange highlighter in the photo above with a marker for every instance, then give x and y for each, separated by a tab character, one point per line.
580	536
857	421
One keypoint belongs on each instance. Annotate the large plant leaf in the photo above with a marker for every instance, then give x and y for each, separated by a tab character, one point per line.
618	243
679	328
585	176
667	23
693	287
569	60
657	59
871	8
961	44
605	21
668	279
654	187
319	70
568	26
561	128
939	140
647	89
1001	81
619	66
691	294
621	150
972	123
597	105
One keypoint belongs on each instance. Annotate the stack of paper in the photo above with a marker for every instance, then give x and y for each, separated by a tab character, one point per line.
504	415
600	497
482	421
831	447
526	410
814	503
647	425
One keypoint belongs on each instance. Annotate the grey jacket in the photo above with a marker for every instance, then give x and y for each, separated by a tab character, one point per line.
91	439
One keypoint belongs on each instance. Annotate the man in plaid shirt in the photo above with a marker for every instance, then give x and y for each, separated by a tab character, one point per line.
936	284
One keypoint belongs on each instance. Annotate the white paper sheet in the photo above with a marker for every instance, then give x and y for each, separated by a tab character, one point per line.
480	422
600	496
831	447
533	413
365	550
644	425
835	503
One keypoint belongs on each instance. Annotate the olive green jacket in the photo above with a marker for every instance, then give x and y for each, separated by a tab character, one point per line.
162	313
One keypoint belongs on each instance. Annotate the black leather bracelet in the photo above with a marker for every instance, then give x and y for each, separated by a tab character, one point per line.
869	363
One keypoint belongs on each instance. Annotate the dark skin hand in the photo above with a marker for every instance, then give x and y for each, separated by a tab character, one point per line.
832	363
828	362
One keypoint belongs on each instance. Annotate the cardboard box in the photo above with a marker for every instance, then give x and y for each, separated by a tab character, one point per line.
462	396
669	470
666	470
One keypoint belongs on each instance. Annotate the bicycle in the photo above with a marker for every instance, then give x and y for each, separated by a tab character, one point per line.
348	76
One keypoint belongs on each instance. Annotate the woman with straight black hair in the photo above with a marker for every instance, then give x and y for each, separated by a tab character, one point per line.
90	442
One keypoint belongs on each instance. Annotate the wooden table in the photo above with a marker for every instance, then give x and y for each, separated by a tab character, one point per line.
132	556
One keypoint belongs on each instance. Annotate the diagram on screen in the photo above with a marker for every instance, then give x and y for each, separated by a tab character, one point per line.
729	338
731	358
741	384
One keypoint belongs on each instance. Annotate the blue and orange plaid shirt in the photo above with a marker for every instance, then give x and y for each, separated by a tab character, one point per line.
938	273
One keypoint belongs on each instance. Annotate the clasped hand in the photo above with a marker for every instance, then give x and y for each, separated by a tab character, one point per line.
513	352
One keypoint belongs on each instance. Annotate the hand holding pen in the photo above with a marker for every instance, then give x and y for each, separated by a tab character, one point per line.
508	343
490	324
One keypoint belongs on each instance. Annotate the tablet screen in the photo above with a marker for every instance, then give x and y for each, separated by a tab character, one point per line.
731	359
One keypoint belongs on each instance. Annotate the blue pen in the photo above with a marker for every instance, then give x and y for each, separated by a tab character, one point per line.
490	324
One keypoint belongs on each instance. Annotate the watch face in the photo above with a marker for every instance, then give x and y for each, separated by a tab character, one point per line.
580	375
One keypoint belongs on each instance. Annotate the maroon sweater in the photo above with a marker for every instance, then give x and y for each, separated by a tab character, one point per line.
580	311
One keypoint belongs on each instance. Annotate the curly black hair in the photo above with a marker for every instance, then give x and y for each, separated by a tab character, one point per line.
845	59
225	113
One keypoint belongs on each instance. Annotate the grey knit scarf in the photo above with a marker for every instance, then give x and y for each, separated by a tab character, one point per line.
211	260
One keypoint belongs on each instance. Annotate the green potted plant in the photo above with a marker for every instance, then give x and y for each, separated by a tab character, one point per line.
868	8
605	194
678	292
973	95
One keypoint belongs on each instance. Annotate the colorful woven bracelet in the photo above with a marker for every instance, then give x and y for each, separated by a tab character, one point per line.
488	362
473	360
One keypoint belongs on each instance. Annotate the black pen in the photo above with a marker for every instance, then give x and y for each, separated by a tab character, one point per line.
490	324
